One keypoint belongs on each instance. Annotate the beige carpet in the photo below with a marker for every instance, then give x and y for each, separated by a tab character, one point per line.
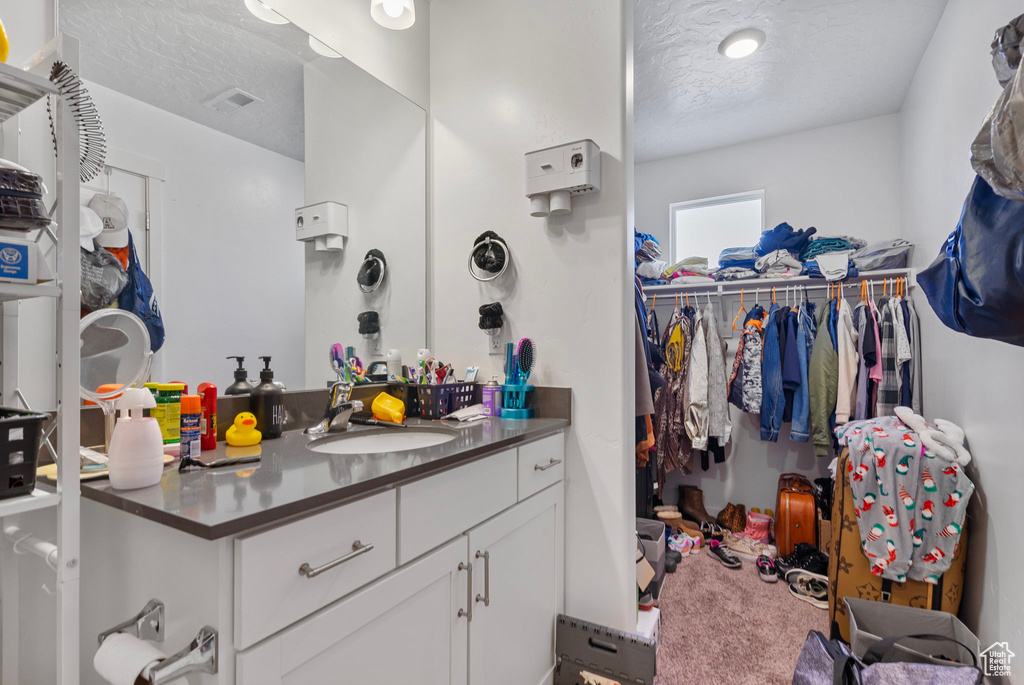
728	627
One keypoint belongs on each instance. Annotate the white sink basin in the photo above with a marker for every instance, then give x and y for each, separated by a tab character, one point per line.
389	440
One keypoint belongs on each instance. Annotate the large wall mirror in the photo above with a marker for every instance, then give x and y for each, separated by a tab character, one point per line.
220	125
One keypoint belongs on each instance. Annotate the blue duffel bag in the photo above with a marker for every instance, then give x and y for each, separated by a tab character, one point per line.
976	284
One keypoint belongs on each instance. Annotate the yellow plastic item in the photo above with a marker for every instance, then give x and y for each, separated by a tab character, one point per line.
388	408
5	45
243	432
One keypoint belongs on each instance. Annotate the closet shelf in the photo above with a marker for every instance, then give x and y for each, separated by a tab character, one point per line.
752	286
19	89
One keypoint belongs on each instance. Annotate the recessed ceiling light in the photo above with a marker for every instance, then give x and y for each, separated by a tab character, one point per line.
393	14
265	13
742	43
322	48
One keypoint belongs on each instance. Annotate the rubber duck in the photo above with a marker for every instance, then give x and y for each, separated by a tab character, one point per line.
242	432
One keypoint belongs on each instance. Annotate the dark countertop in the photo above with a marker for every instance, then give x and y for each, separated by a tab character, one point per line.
291	479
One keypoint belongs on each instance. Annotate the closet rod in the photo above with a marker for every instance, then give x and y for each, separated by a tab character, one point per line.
730	288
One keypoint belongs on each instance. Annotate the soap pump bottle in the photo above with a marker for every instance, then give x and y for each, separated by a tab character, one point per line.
268	404
136	455
241	386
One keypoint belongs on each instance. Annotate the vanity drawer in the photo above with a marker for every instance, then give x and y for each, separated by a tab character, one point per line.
270	590
541	463
436	509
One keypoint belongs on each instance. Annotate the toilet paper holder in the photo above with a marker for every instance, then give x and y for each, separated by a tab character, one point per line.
200	656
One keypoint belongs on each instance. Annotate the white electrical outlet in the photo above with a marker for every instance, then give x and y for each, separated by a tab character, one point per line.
495	343
374	345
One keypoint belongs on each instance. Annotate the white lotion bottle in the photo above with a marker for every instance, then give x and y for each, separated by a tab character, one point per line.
136	458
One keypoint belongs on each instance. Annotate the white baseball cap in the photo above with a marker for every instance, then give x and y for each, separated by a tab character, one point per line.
90	225
114	213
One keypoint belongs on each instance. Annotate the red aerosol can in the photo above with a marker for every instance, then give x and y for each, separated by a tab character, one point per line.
208	422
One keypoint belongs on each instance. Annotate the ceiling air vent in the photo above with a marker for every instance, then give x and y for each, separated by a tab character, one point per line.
232	100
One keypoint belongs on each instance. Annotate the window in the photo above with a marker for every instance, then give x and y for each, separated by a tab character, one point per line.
703	228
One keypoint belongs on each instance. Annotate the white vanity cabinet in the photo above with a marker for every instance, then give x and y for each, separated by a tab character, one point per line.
518	580
404	628
452	579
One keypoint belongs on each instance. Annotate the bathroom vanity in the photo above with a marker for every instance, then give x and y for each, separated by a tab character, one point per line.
436	566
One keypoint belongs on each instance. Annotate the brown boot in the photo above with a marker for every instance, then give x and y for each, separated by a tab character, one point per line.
725	517
692	505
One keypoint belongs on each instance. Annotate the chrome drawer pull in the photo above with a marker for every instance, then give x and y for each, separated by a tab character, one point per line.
486	597
358	549
468	613
553	462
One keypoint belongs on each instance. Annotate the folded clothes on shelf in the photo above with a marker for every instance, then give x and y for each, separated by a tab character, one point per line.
831	267
832	243
778	261
784	237
737	257
735	273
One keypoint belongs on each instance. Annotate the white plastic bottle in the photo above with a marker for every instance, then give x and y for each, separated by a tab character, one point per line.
136	458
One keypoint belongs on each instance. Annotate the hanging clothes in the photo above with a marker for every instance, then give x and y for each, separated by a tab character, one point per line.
846	394
772	399
697	389
916	362
719	421
673	450
790	364
888	388
745	381
824	383
800	430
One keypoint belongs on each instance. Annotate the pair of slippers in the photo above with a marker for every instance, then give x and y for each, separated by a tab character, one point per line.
944	439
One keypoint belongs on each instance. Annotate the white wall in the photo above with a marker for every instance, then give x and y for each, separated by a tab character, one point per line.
232	269
842	179
975	383
401	59
507	78
366	149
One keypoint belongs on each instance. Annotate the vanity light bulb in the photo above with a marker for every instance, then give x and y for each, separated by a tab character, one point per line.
261	11
322	48
394	8
393	14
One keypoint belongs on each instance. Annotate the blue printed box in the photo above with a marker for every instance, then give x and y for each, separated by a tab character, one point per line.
22	262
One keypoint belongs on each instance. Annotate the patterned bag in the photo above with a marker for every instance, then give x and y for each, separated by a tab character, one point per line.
139	299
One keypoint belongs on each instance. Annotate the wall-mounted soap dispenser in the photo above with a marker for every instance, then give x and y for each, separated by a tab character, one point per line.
325	223
554	174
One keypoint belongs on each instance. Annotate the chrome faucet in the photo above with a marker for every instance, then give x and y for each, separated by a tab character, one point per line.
340	408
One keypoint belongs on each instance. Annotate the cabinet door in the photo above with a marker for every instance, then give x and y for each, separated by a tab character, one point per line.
518	591
404	628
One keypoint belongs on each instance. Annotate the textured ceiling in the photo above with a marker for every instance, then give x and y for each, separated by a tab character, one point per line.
824	62
176	54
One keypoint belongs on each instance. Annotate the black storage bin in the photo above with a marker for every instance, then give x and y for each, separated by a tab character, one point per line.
20	434
438	401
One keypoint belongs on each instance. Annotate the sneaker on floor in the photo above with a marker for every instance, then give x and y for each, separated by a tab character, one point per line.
696	542
671	564
810	590
794	574
681	544
766	570
748	546
806	557
722	554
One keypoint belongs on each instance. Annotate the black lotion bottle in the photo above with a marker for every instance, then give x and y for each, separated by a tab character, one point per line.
267	403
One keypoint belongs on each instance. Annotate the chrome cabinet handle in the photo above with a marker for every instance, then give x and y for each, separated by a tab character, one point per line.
553	462
358	549
486	597
468	613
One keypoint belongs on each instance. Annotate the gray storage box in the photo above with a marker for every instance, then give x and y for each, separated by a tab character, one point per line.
654	550
873	621
582	647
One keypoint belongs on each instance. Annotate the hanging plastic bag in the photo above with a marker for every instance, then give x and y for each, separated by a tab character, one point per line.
976	284
997	153
139	299
103	279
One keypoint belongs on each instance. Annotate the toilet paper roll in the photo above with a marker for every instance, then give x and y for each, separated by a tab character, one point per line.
122	658
560	203
538	205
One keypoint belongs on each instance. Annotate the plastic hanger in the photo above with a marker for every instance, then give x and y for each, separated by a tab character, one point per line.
774	301
741	312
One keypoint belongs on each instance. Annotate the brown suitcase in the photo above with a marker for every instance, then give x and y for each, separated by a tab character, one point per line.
849	573
796	516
